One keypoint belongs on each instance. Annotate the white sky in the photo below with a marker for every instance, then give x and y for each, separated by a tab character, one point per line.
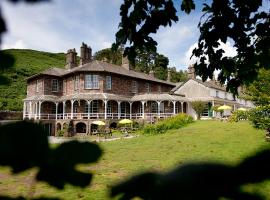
64	24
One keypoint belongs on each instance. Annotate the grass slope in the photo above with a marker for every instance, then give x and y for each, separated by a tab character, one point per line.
27	63
200	141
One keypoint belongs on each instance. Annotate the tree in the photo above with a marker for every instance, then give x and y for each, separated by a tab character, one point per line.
199	107
109	55
244	23
178	76
259	90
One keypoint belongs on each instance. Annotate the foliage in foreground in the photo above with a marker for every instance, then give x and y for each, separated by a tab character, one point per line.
199	181
24	145
174	122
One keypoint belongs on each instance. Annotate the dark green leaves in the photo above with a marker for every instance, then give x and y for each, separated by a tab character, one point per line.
24	145
187	6
139	19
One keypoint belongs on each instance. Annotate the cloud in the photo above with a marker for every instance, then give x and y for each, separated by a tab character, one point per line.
19	44
230	51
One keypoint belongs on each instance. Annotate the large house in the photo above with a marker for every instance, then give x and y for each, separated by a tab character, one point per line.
95	89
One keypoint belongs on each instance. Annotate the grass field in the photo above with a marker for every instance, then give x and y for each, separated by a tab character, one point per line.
200	141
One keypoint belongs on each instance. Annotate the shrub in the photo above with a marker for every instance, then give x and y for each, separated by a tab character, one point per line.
174	122
260	117
239	115
199	107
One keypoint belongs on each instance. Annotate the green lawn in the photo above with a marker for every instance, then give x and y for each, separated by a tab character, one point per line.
200	141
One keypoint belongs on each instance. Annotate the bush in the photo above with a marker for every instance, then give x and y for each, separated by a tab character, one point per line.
239	115
260	117
161	127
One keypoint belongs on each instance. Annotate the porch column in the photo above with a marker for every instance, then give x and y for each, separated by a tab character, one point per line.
39	109
30	109
64	109
119	109
158	103
24	109
88	110
56	110
105	107
214	112
182	109
143	102
71	113
36	110
130	110
174	102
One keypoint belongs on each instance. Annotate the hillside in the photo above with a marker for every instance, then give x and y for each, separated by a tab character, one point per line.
27	63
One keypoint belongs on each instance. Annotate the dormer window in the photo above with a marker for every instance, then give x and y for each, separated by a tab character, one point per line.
54	85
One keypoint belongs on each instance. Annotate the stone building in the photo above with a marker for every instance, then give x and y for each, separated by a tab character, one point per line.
95	89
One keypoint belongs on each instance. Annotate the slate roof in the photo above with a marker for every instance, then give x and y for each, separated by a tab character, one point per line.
100	66
209	84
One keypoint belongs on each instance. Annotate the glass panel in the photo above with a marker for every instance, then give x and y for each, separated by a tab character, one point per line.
108	82
54	85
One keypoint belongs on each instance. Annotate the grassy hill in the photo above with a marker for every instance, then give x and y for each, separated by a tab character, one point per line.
27	63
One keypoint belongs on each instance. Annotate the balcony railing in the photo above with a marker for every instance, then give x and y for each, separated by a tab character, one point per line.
81	116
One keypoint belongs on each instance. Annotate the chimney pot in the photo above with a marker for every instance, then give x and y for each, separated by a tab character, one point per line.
169	75
152	73
191	72
86	54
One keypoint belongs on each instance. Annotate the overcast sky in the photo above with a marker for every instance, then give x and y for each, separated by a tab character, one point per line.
63	24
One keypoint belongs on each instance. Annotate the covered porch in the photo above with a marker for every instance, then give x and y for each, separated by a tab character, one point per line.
93	106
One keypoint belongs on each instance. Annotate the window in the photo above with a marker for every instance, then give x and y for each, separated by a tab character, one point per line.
60	86
134	88
217	93
162	108
154	107
93	107
148	87
54	85
91	81
53	109
37	86
124	107
109	107
108	83
76	82
159	88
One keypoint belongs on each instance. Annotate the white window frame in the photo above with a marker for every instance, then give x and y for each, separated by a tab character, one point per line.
55	85
76	82
91	81
148	87
94	106
217	93
159	88
154	107
109	107
108	84
37	86
134	87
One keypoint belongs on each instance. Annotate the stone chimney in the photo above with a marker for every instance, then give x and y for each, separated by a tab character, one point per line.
191	72
86	54
125	62
152	73
169	75
71	59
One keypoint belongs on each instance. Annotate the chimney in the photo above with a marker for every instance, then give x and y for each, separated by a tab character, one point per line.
152	73
191	72
125	62
71	59
86	54
169	75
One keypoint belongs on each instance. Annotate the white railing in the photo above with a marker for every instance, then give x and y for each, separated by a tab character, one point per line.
148	116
